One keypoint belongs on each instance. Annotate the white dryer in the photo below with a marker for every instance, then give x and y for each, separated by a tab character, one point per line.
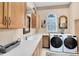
70	43
56	42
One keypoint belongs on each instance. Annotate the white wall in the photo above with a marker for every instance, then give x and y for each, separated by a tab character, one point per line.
74	14
62	11
7	36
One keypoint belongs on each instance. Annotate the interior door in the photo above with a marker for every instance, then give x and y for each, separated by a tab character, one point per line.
77	30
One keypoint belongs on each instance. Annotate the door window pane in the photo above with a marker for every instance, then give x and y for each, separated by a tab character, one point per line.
51	23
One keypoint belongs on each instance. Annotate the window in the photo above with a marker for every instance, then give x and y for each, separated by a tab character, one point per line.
52	23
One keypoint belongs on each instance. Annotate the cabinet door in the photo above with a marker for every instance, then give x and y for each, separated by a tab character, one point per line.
77	30
34	21
38	22
38	49
1	14
16	12
45	41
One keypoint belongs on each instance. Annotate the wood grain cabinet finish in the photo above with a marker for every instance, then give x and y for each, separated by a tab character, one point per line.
38	49
13	14
34	22
38	24
45	41
16	14
1	15
77	30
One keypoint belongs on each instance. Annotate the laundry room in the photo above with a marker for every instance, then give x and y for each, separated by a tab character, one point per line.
39	29
61	24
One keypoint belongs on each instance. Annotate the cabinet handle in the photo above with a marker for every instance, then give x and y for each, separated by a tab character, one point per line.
9	21
4	20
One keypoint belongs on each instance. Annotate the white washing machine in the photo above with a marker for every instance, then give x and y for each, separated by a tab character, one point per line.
70	43
56	42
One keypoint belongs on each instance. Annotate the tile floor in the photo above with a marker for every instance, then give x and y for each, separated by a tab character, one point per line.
47	52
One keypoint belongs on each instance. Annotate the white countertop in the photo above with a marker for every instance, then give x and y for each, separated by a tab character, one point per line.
26	47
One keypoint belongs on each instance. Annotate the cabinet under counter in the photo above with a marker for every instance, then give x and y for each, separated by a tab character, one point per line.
45	41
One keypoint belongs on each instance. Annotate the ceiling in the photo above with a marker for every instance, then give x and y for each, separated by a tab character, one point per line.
47	4
42	4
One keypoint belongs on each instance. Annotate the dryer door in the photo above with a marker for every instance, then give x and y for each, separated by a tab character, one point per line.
56	42
70	43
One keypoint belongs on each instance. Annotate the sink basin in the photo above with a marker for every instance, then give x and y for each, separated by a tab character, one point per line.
8	47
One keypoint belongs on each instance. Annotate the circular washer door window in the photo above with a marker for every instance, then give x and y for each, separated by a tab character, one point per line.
70	43
56	42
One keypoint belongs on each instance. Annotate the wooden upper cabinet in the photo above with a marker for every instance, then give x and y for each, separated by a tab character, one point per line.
1	15
16	14
38	22
12	14
34	20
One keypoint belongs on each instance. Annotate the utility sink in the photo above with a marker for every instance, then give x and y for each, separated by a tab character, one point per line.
8	47
30	38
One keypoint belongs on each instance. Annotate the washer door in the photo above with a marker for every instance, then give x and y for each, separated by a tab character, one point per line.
70	43
56	42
